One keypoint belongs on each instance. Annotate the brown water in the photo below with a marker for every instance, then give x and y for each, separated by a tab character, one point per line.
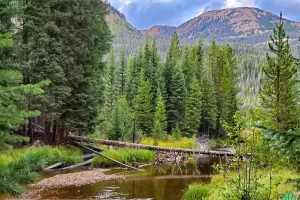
166	182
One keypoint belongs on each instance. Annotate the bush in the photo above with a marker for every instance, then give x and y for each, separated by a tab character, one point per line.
196	192
125	156
21	166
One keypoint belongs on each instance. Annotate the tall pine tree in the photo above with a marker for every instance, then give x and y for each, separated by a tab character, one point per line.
277	94
192	116
142	106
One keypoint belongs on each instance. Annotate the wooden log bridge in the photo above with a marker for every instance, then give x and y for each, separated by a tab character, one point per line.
149	147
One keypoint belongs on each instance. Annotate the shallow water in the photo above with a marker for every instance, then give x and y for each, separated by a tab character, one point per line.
165	182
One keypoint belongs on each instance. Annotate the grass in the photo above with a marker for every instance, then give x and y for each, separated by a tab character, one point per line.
126	156
18	167
196	192
220	186
186	143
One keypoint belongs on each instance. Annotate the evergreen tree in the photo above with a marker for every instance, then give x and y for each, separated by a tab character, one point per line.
187	66
121	121
160	114
193	110
199	57
122	72
277	94
157	131
132	80
11	94
111	82
209	105
175	108
142	106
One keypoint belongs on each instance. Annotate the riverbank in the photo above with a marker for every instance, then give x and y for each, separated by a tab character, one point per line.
76	179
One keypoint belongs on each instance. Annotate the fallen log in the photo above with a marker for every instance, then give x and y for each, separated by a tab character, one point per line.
88	162
53	166
128	166
88	156
149	147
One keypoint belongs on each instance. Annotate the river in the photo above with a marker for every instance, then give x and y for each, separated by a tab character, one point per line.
164	182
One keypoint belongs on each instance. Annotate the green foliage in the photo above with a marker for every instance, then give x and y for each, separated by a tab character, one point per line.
192	116
11	113
277	94
196	192
209	106
122	72
160	113
187	143
176	99
176	133
121	121
20	167
143	107
286	143
126	156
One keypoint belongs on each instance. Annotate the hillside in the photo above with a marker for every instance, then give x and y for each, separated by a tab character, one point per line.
118	23
242	25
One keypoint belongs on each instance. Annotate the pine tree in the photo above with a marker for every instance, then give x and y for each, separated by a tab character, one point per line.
121	121
122	72
277	94
175	108
132	80
209	105
160	114
187	66
199	53
111	82
11	94
193	110
142	106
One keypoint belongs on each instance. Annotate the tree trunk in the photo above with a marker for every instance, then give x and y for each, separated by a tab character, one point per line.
47	134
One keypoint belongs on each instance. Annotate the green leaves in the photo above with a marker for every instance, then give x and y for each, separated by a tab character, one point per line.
288	196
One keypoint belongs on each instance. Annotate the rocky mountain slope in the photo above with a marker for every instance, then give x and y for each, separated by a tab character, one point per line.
245	24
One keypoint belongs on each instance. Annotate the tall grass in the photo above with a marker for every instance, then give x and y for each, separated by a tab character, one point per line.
186	143
19	167
125	156
196	192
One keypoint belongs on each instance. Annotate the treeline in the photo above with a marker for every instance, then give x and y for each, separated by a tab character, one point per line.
59	41
189	93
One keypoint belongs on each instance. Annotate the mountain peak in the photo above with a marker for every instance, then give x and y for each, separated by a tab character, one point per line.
159	30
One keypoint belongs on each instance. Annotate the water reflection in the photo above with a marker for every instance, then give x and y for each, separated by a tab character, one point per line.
155	182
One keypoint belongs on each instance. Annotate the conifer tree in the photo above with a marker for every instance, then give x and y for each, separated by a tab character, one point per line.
187	65
175	108
199	57
132	80
111	82
277	94
142	106
11	94
122	72
160	113
193	110
121	121
209	105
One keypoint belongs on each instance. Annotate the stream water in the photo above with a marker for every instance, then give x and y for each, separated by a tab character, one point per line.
164	182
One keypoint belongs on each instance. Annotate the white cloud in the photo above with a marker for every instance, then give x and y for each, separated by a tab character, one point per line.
239	3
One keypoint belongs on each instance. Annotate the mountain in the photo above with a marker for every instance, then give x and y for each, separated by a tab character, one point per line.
237	25
159	30
118	23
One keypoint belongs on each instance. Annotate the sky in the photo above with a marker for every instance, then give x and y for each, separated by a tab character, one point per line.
143	14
